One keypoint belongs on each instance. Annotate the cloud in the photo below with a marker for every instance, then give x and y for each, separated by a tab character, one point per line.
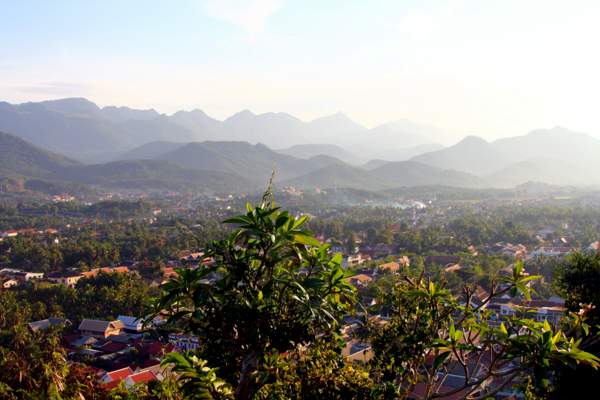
249	15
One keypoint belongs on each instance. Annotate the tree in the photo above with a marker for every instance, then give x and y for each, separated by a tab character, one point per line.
578	279
272	288
431	333
35	366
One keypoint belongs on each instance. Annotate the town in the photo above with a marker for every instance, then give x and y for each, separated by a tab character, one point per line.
379	245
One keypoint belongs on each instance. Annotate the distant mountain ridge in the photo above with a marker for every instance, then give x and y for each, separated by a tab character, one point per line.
556	156
19	158
316	153
214	167
78	128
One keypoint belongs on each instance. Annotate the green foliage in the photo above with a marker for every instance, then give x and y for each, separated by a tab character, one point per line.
274	286
431	333
577	281
317	371
34	366
198	381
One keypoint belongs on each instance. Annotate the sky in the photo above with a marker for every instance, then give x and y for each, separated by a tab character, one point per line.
492	68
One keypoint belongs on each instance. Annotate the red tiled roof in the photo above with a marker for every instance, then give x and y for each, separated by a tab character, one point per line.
119	374
143	377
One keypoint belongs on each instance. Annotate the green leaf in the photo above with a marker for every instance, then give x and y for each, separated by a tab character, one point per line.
440	359
503	329
306	240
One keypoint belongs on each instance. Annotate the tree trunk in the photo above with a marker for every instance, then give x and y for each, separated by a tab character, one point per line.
247	384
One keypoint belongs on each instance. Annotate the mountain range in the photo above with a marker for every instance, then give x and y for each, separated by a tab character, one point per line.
79	129
75	141
555	156
215	167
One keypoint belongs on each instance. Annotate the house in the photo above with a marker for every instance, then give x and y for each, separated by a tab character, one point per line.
480	296
551	252
391	267
594	247
453	268
45	324
84	341
360	280
106	270
169	273
98	328
27	276
9	234
8	283
111	347
66	279
357	259
517	251
111	379
187	255
545	233
131	324
184	342
357	351
20	275
140	377
540	310
404	261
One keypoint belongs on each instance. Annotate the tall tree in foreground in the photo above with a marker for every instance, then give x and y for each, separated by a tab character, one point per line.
272	288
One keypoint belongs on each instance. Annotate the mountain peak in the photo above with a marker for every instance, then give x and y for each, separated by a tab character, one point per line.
71	105
472	140
338	121
245	113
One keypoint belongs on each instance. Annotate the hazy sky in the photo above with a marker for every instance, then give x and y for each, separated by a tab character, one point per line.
486	67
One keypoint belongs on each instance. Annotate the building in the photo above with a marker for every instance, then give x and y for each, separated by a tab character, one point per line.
551	251
360	280
28	276
111	380
8	283
540	310
45	324
391	267
131	324
9	234
357	259
184	342
140	377
356	351
594	247
66	279
19	275
101	329
106	270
